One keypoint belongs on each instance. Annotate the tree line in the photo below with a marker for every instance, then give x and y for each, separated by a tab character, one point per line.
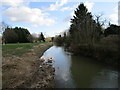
19	35
15	35
85	30
87	36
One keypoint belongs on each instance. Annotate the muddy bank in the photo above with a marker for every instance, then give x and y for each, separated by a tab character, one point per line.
28	70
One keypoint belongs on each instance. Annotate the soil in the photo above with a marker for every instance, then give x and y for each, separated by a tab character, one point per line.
28	70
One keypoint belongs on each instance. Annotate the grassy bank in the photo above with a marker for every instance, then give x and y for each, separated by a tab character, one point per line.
18	49
20	66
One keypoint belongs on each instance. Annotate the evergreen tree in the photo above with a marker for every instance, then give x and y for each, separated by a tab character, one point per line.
83	27
41	37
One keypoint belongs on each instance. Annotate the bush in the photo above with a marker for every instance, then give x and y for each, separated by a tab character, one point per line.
59	40
110	42
30	38
10	36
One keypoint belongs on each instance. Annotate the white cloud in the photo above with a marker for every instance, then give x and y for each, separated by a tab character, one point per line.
54	7
72	14
89	5
66	8
12	3
63	2
30	15
35	34
116	9
69	7
114	17
57	5
74	8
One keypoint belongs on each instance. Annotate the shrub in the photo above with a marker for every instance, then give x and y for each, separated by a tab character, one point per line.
58	40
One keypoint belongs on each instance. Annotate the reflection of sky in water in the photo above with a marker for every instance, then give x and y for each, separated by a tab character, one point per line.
62	63
105	79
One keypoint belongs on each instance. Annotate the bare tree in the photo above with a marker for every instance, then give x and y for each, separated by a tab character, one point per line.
3	26
98	18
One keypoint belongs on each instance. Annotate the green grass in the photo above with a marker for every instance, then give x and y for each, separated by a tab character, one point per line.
12	49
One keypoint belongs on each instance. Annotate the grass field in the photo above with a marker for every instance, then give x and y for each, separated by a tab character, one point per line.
17	48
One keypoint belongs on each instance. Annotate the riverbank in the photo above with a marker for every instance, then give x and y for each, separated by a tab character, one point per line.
26	69
105	55
73	71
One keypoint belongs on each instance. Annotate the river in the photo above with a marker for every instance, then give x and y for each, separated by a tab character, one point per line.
79	72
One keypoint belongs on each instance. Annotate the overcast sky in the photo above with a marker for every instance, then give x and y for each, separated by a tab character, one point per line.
53	17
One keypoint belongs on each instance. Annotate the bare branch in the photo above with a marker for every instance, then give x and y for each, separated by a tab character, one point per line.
3	26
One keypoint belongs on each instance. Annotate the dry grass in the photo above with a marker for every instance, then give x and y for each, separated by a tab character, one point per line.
110	42
18	69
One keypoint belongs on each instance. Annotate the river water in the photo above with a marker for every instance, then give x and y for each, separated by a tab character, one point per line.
79	72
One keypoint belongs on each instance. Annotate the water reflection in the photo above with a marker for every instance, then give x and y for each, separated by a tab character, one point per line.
88	74
62	63
103	77
77	71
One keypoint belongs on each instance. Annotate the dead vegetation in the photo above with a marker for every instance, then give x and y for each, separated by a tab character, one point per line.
25	72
